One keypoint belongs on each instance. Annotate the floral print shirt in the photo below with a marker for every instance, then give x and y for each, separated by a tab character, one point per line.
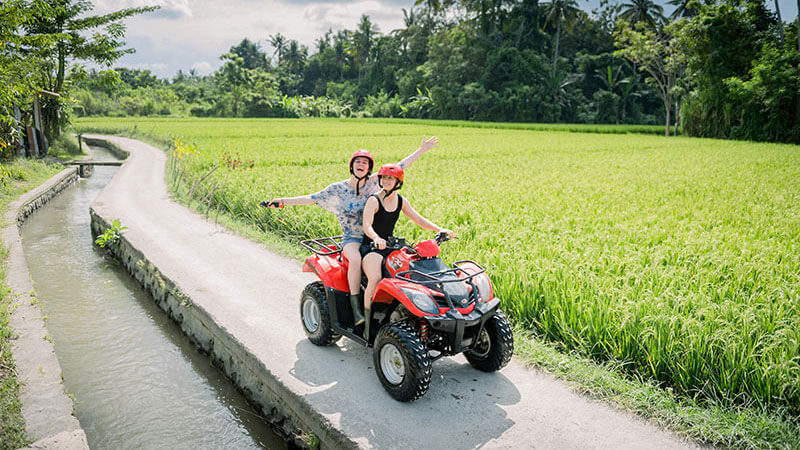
341	199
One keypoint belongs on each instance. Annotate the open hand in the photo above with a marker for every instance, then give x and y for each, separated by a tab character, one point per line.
428	144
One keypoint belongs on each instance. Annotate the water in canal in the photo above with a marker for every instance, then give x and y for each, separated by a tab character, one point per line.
136	380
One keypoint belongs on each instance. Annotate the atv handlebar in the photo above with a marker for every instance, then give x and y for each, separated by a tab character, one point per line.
395	243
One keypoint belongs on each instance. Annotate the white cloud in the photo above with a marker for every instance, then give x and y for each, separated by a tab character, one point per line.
153	67
187	32
202	68
170	9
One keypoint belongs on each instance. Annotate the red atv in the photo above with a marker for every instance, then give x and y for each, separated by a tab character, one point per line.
422	310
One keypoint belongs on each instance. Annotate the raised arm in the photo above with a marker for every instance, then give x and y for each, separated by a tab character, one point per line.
280	202
417	218
427	144
301	200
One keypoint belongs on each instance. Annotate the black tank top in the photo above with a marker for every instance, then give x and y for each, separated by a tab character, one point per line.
383	221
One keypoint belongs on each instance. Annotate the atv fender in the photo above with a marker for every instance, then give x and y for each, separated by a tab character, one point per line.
389	289
330	270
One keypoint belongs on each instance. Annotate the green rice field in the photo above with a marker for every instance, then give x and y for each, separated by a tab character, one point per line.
676	258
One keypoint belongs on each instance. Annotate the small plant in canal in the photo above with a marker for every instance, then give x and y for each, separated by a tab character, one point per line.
111	235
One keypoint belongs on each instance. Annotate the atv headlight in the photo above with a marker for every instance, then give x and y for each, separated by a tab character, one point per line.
484	287
422	301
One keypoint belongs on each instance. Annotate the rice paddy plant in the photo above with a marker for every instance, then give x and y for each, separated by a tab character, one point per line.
678	259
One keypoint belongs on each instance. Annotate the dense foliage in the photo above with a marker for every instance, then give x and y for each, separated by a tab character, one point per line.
744	73
676	259
517	61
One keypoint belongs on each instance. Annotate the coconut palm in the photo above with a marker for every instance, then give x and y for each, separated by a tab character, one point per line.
682	9
340	45
295	56
645	11
363	39
278	42
560	12
780	21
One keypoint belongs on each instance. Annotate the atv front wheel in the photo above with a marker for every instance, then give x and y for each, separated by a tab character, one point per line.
495	345
402	362
315	316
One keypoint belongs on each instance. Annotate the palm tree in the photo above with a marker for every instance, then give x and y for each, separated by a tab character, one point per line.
642	11
558	12
278	41
682	9
324	42
340	44
780	21
295	56
363	38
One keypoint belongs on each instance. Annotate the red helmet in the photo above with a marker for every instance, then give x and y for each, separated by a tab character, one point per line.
391	170
365	154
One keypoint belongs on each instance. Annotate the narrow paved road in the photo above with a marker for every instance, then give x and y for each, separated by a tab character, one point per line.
254	294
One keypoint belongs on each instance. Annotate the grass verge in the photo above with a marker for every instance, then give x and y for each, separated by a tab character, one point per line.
23	175
709	423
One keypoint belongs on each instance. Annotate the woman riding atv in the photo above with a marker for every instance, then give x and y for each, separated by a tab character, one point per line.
380	216
346	200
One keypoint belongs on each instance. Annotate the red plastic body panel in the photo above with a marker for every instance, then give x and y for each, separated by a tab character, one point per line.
397	261
428	249
330	270
389	289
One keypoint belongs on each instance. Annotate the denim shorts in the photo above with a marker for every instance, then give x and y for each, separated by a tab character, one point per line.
351	240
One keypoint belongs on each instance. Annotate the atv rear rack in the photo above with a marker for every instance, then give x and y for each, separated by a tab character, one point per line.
324	246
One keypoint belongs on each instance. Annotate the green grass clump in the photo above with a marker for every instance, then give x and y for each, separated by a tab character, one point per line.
676	259
21	176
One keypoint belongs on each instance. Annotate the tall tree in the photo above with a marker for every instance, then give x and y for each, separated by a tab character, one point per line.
340	44
780	21
682	9
20	69
296	55
658	54
66	20
560	12
645	11
251	54
363	39
278	42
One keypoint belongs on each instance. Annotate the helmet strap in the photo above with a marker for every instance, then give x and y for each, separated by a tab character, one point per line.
359	180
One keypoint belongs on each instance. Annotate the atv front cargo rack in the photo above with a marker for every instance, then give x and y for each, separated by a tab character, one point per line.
437	280
324	246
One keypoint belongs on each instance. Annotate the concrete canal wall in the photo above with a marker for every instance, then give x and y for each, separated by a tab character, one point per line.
291	417
46	407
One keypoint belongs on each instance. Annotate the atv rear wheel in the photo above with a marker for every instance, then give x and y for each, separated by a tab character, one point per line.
315	316
402	362
495	345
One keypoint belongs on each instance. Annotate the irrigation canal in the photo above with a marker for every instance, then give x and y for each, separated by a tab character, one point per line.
136	380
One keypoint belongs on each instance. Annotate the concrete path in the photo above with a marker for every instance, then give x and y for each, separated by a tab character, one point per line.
254	294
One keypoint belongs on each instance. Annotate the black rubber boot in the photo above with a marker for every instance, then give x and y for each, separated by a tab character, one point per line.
355	303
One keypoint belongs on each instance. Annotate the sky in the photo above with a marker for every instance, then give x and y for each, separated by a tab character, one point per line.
192	34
